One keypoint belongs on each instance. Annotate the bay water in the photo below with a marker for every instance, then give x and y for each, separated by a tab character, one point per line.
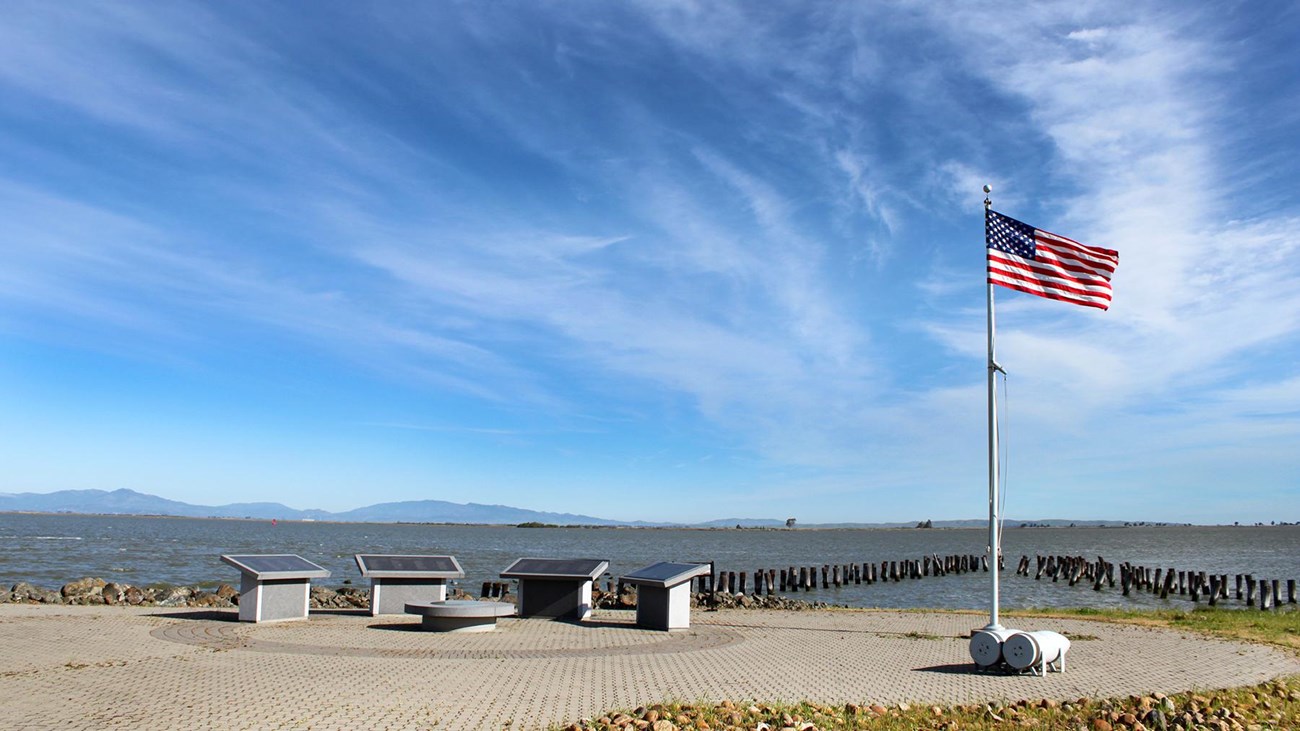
51	550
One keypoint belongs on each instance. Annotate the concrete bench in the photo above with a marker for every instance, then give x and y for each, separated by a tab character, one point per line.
396	580
460	615
555	587
274	587
663	596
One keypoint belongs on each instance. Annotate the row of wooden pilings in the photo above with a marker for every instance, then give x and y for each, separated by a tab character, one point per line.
1072	569
494	589
804	578
1158	580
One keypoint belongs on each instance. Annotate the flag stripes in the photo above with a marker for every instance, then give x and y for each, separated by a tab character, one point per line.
1041	263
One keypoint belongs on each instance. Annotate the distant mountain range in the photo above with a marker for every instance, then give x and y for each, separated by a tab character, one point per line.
130	502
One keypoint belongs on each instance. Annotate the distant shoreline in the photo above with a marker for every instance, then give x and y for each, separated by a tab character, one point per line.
1014	525
125	501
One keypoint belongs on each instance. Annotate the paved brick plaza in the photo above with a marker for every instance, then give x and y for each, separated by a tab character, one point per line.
112	667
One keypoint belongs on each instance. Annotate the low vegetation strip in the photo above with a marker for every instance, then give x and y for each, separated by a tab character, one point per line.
1270	706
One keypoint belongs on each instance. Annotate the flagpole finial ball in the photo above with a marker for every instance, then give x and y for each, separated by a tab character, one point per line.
988	188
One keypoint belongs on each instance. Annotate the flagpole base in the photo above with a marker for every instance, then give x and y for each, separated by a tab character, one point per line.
986	646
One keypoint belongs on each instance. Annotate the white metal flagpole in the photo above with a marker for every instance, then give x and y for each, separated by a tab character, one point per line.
986	644
993	367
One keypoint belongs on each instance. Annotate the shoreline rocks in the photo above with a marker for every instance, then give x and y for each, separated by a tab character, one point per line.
92	590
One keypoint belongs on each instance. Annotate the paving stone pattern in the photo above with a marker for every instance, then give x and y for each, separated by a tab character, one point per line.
116	667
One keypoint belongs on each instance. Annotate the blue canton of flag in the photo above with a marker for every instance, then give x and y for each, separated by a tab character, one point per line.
1010	235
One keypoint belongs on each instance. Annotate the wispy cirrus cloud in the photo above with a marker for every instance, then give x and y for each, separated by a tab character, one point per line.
1129	103
766	218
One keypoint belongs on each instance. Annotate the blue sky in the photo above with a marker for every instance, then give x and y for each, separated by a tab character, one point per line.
660	261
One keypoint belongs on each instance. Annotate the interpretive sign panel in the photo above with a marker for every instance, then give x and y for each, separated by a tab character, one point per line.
556	568
666	573
397	580
407	566
555	587
276	566
274	587
663	598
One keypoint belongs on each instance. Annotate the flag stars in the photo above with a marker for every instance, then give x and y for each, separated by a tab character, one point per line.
1009	235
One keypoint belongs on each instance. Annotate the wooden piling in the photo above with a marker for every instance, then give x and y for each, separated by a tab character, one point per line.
1290	591
1238	587
1265	594
1250	590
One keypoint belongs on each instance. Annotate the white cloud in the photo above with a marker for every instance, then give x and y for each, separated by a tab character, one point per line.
701	262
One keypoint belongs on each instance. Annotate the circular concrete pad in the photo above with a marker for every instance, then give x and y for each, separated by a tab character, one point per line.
113	667
459	615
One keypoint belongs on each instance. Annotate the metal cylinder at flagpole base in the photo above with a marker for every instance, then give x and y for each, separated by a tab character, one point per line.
1038	651
986	646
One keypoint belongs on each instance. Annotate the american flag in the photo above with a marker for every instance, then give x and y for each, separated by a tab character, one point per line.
1031	260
